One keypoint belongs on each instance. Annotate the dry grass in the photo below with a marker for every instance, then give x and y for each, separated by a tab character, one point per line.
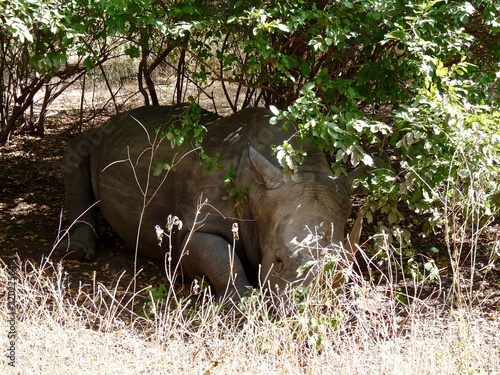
361	332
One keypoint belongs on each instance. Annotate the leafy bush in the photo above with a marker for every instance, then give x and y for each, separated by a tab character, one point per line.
414	84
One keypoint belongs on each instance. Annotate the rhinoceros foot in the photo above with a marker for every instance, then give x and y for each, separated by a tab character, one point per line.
81	245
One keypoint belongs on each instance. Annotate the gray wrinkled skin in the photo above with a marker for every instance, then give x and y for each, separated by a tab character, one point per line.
278	220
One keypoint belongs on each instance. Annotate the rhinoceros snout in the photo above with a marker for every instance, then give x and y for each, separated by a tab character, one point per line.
281	270
301	264
280	282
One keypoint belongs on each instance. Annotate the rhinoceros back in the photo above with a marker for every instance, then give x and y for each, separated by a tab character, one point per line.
124	184
122	178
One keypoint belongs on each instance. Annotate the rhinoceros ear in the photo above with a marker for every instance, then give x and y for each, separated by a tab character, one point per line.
263	171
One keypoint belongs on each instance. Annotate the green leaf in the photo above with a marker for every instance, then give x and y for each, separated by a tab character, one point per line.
283	27
348	4
305	69
157	169
392	218
133	52
290	62
367	160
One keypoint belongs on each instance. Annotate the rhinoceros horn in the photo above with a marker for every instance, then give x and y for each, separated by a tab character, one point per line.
352	240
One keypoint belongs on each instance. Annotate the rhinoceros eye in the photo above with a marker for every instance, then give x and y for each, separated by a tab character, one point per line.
278	263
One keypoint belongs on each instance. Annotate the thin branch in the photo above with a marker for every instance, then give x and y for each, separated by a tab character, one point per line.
109	87
166	174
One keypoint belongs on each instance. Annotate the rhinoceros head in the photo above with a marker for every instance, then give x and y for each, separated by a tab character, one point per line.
296	221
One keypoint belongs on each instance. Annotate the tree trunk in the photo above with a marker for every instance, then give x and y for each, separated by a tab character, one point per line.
40	126
180	76
140	74
151	87
26	99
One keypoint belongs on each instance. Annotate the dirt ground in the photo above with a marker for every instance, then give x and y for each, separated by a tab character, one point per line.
32	215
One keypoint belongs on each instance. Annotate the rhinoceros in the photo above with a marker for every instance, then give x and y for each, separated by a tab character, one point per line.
112	168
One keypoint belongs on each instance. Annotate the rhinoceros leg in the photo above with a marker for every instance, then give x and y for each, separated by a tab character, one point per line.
210	255
80	201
